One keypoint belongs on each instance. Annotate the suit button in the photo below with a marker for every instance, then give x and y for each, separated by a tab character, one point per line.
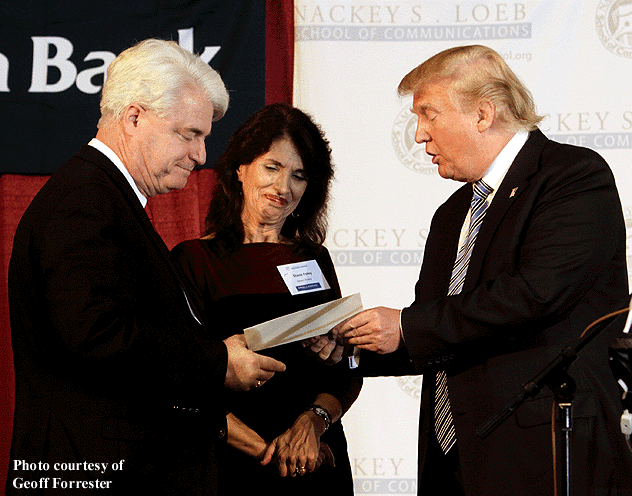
222	433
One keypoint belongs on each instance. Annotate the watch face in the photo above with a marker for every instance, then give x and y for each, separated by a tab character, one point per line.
321	412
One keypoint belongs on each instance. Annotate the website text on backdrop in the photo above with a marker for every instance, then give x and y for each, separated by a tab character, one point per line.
267	217
518	262
118	384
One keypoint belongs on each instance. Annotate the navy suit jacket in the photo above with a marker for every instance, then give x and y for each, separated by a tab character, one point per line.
110	363
550	258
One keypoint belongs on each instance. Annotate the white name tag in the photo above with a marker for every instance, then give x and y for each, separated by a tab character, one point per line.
303	277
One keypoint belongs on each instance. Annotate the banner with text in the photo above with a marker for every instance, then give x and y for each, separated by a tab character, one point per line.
576	58
53	58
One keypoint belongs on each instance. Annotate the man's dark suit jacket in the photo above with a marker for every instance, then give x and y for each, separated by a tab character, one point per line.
550	258
110	363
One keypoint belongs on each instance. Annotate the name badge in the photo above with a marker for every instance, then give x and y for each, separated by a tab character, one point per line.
303	277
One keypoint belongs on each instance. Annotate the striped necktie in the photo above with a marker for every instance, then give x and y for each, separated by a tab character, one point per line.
444	425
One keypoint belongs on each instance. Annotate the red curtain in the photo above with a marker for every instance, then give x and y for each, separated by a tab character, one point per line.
176	216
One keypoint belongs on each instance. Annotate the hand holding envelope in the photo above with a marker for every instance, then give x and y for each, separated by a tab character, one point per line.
376	329
315	322
327	347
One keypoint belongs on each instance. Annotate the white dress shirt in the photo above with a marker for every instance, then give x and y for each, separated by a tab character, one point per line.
494	178
107	151
496	173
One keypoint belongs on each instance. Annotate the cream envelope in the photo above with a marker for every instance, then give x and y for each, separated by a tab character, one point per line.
314	321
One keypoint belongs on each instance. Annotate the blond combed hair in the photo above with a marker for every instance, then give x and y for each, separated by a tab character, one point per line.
477	72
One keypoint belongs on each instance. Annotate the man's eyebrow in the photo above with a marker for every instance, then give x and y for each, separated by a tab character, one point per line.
422	107
194	130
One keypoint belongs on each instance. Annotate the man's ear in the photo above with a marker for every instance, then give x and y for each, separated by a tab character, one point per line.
131	117
486	111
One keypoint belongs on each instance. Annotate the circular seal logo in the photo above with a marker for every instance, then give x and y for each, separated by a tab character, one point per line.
411	385
410	153
614	26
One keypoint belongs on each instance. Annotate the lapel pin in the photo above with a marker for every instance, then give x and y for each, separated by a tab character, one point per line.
513	192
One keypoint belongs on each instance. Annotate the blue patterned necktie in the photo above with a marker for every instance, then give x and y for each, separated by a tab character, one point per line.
444	425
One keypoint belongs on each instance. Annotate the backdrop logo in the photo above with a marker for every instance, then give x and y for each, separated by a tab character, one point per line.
614	26
411	154
599	130
379	475
411	385
316	21
67	72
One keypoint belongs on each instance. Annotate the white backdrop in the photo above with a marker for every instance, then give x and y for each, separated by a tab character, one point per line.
575	57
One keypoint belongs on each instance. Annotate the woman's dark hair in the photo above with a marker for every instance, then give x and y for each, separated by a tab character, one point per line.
308	223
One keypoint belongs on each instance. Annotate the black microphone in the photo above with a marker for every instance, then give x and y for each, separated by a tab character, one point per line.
620	360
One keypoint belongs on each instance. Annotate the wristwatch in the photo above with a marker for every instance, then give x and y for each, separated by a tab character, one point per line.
322	413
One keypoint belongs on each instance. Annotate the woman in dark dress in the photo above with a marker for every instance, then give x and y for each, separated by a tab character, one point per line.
268	209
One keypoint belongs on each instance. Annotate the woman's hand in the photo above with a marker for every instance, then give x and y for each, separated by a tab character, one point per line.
326	348
243	438
325	456
299	450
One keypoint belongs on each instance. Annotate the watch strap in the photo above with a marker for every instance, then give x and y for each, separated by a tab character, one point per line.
321	412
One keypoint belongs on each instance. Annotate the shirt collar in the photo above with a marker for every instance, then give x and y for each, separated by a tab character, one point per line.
107	151
496	172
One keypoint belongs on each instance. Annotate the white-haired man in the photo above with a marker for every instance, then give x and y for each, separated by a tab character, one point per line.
118	386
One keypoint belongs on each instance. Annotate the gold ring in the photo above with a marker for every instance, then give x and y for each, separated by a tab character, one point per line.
299	470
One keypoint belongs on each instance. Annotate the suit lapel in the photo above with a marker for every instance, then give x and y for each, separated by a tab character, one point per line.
443	244
94	156
515	183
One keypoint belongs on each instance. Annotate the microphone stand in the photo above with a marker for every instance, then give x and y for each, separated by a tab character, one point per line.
555	376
